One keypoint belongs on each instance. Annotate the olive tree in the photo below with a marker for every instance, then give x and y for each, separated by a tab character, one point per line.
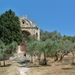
64	48
72	50
7	50
30	46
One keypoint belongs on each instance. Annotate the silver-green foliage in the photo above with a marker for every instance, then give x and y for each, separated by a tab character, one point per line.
7	50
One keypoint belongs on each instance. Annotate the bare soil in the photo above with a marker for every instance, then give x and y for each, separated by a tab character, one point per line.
53	68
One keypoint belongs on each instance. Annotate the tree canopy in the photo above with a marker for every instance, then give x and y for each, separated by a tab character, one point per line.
10	29
7	50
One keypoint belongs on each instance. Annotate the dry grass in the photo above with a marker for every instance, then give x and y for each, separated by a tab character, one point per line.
9	69
3	70
54	68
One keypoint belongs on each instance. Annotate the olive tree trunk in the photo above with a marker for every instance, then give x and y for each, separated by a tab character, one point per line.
45	61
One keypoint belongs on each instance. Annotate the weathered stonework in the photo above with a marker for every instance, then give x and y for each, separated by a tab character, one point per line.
28	26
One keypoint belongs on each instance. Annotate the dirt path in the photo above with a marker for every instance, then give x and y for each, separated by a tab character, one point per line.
17	68
21	64
23	70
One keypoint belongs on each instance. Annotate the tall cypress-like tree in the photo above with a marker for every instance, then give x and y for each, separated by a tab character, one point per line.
10	29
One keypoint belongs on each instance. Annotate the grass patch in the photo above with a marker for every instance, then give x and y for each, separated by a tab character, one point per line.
3	70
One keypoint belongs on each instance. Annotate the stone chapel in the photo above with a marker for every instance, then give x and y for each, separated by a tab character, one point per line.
28	27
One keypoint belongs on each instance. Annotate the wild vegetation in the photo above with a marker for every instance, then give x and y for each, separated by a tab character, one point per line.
52	45
7	51
10	34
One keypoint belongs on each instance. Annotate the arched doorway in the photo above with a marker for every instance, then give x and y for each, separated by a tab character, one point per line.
25	35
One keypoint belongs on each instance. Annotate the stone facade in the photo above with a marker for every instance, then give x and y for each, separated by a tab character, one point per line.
29	27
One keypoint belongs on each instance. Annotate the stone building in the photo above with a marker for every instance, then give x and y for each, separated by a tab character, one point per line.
28	27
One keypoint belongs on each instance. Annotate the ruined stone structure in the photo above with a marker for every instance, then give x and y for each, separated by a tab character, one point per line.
29	27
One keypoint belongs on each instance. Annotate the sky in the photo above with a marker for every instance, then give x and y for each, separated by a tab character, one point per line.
49	15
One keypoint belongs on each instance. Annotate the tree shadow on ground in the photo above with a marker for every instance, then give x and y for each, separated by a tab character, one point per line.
27	63
7	65
37	65
24	62
67	68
